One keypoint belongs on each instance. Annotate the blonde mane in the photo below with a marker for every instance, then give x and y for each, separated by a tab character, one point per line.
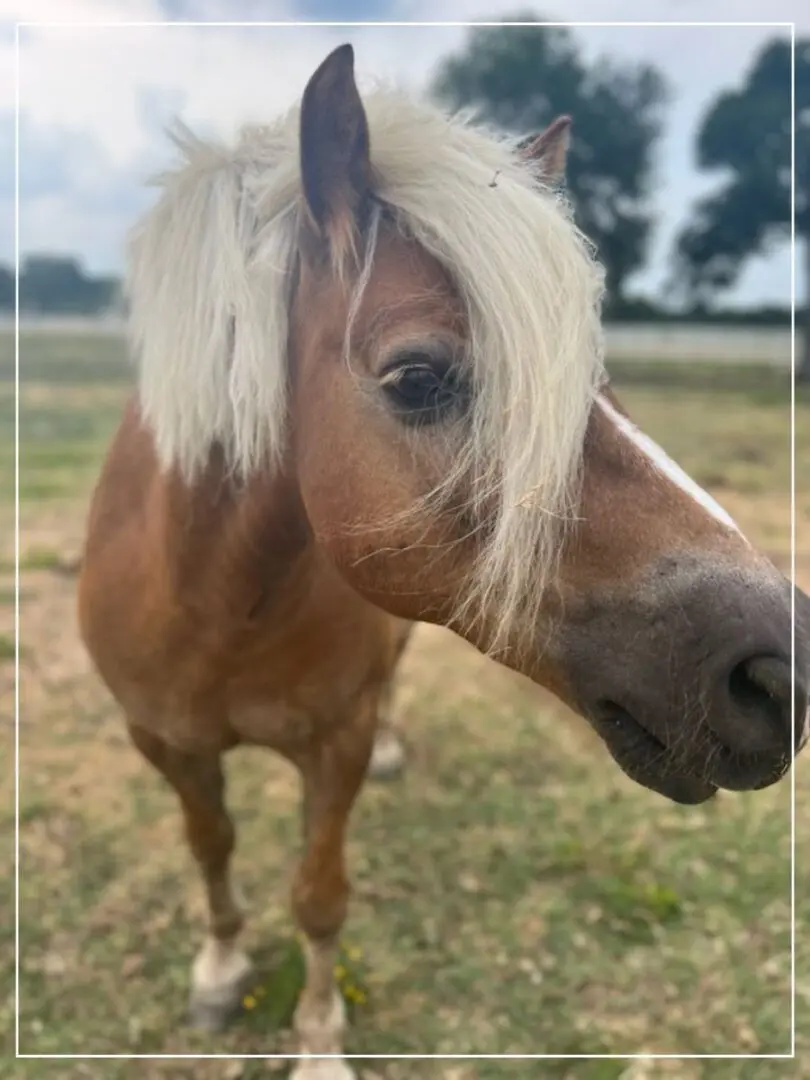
209	292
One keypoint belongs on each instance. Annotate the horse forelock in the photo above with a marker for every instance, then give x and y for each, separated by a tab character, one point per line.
218	250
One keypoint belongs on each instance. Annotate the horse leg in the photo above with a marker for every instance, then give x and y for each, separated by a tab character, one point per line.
321	890
388	753
220	969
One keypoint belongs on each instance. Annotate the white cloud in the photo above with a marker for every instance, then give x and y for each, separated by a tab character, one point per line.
115	87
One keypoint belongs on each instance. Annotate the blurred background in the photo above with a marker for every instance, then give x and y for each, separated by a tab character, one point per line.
680	166
514	892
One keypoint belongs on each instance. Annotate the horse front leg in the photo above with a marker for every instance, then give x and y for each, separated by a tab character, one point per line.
221	970
388	753
332	780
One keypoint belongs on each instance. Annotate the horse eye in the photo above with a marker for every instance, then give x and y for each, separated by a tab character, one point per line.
420	389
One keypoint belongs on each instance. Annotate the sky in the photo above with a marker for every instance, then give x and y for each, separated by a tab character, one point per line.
94	100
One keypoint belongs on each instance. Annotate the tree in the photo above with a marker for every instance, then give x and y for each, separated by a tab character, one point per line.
522	77
52	283
6	289
747	133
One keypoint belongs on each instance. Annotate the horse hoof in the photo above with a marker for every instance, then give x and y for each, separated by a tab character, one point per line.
212	1016
387	757
216	996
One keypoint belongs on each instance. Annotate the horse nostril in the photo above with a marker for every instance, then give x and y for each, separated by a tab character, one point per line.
762	689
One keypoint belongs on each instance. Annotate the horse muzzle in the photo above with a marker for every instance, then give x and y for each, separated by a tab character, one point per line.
690	683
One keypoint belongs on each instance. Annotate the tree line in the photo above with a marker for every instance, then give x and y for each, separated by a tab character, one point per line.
521	78
54	284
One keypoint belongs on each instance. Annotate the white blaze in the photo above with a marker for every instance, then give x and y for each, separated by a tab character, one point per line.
665	465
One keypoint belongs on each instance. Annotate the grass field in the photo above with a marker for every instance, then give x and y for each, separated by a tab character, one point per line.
513	893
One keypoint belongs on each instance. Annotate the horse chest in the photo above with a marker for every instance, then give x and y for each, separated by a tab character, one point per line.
277	724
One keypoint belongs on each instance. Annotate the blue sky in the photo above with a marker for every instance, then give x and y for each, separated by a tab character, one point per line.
94	101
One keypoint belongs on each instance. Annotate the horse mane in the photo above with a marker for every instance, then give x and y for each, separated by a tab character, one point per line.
209	282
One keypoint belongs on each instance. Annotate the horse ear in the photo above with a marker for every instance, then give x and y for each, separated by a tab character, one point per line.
549	149
335	165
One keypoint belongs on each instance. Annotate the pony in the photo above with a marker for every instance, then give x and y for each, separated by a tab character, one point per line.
371	393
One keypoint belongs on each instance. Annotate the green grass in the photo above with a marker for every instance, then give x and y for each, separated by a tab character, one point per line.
71	391
513	892
40	559
71	360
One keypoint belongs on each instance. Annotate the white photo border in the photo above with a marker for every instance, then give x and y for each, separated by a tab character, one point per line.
791	26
